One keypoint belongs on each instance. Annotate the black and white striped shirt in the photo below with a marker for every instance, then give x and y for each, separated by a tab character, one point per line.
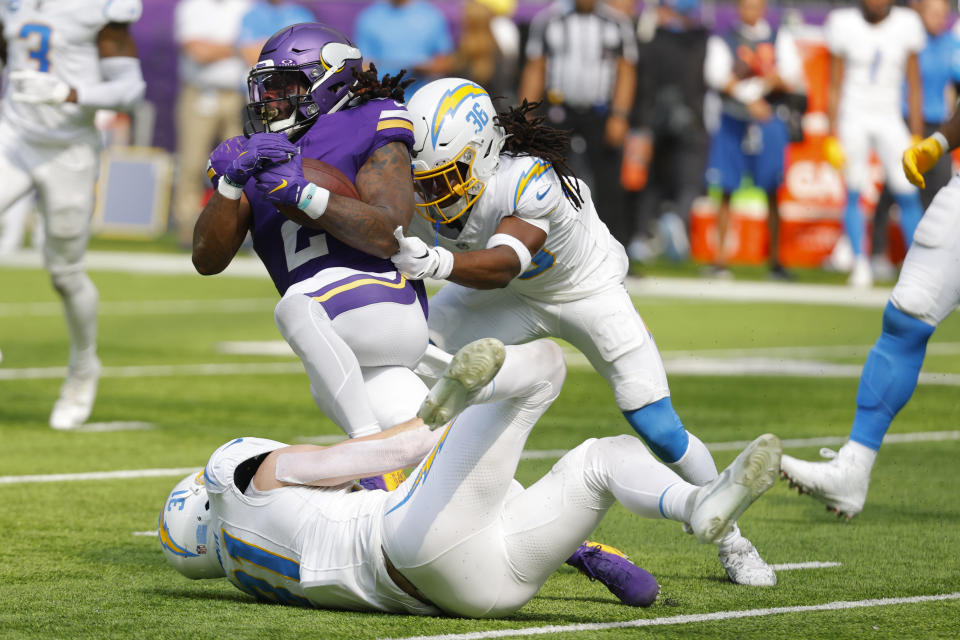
581	51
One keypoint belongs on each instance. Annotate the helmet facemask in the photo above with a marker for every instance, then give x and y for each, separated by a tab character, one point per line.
447	191
280	100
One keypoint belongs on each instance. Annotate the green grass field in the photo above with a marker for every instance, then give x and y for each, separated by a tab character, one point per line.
76	560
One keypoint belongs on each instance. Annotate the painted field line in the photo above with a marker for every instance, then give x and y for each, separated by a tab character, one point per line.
927	436
144	307
793	566
162	370
146	534
119	425
689	619
99	475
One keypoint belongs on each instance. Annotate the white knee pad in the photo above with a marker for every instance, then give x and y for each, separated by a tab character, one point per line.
395	393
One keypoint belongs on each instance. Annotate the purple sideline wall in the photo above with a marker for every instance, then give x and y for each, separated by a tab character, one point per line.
154	36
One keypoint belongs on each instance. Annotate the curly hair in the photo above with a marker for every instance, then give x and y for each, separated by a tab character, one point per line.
528	136
369	86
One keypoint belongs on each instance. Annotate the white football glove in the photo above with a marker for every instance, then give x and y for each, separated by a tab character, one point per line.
36	87
417	261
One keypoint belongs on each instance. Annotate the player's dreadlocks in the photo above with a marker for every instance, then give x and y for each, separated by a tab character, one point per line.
369	86
528	136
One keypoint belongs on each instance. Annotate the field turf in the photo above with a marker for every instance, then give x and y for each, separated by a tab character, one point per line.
77	559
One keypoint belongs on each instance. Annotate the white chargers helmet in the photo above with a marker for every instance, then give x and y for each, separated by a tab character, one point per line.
186	534
456	147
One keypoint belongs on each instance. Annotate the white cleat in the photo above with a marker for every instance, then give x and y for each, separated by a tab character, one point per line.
473	366
841	483
744	565
721	502
75	403
861	276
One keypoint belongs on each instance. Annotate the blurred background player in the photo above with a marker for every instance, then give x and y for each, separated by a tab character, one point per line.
748	66
460	537
210	98
65	61
488	50
669	107
939	63
873	49
406	34
519	239
581	56
264	19
927	291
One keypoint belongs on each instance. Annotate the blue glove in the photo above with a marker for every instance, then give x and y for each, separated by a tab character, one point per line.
284	185
262	150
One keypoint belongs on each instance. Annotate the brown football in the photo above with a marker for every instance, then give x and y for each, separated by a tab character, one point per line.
323	174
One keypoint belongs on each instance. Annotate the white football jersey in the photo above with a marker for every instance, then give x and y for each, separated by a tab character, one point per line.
58	37
875	57
305	546
579	258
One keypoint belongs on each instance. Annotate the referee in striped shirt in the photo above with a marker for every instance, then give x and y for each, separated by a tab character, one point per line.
582	56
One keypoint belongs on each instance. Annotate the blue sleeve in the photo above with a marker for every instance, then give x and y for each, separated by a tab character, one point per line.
443	42
363	37
955	59
249	28
303	15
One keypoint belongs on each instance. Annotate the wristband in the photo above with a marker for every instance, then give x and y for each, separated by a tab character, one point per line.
505	239
942	141
444	264
314	201
229	190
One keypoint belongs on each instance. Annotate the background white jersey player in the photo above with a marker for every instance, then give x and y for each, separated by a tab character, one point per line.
518	237
459	536
64	60
873	49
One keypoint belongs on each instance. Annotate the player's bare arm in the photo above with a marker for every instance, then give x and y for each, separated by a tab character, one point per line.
204	52
386	189
495	267
833	91
402	445
914	96
219	233
532	80
620	104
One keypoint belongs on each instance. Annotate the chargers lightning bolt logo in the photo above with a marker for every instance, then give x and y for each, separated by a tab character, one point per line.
450	102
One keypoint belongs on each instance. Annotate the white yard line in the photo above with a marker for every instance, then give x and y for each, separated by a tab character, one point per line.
895	438
792	566
144	307
162	370
688	619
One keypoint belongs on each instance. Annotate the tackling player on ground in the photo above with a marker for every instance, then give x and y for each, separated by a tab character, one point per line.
527	256
927	291
64	61
460	536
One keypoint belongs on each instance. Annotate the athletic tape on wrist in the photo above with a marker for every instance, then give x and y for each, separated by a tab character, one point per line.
314	201
504	239
229	190
942	141
445	264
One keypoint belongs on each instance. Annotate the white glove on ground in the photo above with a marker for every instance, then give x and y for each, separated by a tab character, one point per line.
36	87
417	261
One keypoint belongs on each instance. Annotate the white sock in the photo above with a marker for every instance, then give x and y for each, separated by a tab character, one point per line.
696	465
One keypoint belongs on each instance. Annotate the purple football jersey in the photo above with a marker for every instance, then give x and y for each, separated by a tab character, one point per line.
345	139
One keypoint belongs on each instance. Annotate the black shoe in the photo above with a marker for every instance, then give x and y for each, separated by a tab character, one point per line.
777	272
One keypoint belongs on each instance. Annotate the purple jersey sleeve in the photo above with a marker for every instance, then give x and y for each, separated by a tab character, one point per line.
346	139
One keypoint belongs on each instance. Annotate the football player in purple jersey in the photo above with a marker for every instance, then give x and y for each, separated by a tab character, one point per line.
357	324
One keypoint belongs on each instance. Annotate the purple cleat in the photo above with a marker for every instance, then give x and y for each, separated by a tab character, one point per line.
634	586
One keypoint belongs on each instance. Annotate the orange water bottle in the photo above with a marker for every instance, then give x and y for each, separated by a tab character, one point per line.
637	148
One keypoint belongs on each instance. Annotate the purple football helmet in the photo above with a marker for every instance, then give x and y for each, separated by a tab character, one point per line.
304	71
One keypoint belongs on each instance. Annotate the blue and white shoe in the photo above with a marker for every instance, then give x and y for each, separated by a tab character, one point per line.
472	367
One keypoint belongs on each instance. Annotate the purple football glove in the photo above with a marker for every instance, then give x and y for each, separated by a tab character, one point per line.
283	184
221	158
262	150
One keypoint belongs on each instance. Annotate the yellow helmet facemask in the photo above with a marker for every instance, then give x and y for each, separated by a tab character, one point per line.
445	186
